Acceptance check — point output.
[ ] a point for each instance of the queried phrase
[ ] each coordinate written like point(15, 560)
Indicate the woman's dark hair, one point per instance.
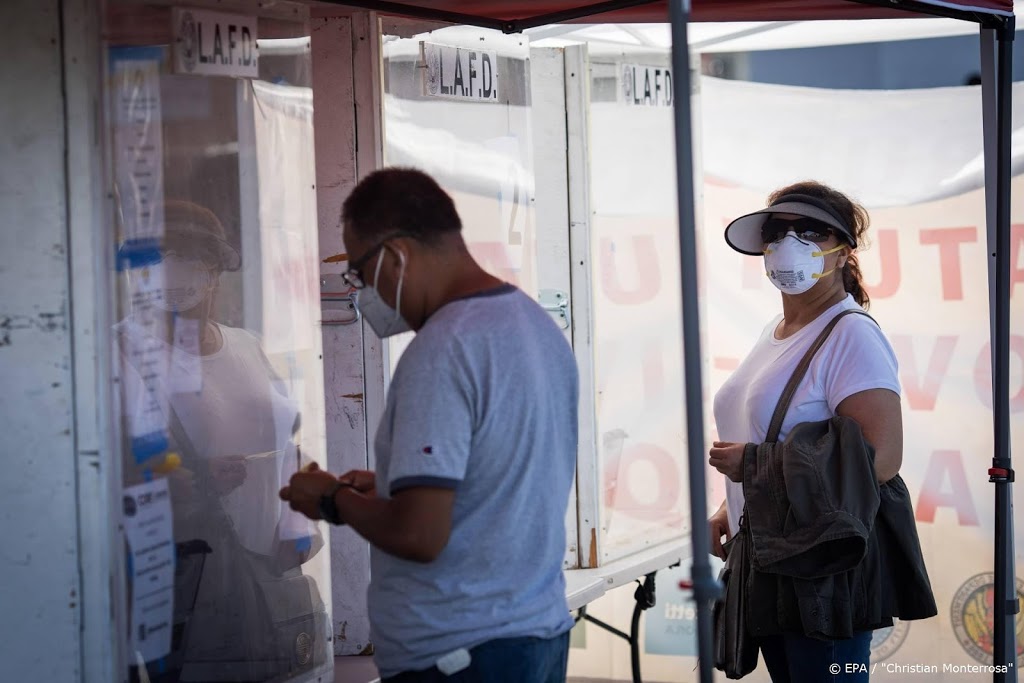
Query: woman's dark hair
point(853, 214)
point(400, 200)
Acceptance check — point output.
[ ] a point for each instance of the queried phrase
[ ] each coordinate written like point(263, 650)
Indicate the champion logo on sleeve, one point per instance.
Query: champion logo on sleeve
point(428, 450)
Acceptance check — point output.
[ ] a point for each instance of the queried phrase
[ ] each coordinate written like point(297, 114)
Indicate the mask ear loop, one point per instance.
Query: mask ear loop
point(398, 293)
point(401, 279)
point(376, 272)
point(823, 254)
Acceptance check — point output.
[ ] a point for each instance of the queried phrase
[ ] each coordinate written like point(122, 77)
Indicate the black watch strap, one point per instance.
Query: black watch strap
point(328, 507)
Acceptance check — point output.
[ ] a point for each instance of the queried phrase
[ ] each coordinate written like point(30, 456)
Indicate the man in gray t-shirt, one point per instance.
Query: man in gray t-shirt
point(476, 452)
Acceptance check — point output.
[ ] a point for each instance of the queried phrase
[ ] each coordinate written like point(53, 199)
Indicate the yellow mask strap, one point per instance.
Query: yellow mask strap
point(830, 251)
point(818, 276)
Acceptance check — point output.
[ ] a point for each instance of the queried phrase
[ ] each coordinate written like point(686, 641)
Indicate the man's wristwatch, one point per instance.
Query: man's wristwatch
point(328, 508)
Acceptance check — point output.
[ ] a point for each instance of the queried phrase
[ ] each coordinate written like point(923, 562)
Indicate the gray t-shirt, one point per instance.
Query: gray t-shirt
point(483, 401)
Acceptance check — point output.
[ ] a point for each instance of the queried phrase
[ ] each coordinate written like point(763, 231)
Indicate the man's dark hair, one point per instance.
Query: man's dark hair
point(400, 200)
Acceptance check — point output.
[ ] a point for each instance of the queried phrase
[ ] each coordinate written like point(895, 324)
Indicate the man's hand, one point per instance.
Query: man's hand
point(727, 458)
point(718, 526)
point(363, 481)
point(305, 489)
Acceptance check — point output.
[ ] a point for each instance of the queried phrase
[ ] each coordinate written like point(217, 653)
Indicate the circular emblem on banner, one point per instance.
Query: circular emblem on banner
point(885, 641)
point(188, 41)
point(972, 615)
point(303, 648)
point(433, 70)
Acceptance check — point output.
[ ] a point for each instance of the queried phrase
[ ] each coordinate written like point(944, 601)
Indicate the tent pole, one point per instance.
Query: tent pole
point(1005, 604)
point(989, 124)
point(705, 588)
point(995, 21)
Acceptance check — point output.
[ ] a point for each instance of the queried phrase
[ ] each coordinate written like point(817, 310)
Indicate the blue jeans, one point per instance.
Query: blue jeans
point(795, 658)
point(505, 660)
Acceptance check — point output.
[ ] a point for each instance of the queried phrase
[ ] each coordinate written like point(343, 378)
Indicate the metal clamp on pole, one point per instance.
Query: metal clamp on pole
point(1001, 475)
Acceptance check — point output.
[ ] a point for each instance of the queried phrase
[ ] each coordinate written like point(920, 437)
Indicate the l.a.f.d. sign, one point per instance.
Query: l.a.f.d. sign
point(460, 73)
point(215, 44)
point(646, 85)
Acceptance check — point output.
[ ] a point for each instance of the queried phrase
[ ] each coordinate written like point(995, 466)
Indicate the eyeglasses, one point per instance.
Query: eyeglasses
point(353, 277)
point(806, 229)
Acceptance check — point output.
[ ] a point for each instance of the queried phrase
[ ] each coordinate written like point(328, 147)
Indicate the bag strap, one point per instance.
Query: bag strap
point(798, 374)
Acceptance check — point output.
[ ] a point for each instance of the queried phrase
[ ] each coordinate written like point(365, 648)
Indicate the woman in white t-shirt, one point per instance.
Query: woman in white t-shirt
point(229, 417)
point(808, 236)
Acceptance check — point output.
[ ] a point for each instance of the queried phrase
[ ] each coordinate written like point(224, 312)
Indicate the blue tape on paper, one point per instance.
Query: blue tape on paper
point(149, 445)
point(303, 544)
point(138, 253)
point(143, 53)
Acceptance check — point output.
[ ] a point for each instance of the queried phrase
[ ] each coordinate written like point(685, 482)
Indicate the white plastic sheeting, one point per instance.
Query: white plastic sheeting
point(889, 148)
point(748, 36)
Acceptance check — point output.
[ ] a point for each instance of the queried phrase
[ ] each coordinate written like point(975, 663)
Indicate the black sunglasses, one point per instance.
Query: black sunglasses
point(353, 276)
point(806, 229)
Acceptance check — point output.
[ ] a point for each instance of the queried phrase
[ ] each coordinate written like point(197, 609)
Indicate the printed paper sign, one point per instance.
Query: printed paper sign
point(148, 528)
point(145, 363)
point(138, 142)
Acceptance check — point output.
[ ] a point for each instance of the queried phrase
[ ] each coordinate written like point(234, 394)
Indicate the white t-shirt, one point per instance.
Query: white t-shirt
point(231, 404)
point(856, 357)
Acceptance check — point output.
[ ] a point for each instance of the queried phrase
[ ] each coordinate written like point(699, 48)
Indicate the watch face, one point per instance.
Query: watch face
point(328, 510)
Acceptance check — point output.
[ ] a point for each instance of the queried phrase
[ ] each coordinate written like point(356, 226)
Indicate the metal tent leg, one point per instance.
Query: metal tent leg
point(645, 599)
point(996, 89)
point(705, 588)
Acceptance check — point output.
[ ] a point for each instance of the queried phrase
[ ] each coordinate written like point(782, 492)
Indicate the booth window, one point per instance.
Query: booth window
point(217, 345)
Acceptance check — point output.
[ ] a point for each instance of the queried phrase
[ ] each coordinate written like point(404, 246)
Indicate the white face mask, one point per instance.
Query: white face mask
point(385, 321)
point(186, 283)
point(794, 266)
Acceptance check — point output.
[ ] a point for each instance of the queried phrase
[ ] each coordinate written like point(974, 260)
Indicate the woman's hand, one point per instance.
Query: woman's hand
point(718, 526)
point(227, 474)
point(182, 483)
point(727, 458)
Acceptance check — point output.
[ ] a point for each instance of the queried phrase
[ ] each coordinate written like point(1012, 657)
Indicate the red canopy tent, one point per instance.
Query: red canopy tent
point(516, 15)
point(996, 21)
